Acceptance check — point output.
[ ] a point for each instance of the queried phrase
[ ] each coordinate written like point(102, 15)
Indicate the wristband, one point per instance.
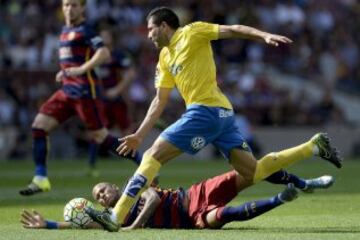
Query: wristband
point(51, 225)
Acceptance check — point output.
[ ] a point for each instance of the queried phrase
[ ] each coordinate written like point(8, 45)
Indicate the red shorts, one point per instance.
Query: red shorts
point(117, 115)
point(61, 107)
point(210, 194)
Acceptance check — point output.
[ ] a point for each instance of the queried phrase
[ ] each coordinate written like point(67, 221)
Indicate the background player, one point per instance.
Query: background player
point(81, 50)
point(116, 76)
point(203, 205)
point(186, 61)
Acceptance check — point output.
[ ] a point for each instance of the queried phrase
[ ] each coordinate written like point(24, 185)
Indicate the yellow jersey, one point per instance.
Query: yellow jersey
point(188, 63)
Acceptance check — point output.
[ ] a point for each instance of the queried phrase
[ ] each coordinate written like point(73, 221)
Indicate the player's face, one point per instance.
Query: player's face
point(73, 10)
point(106, 194)
point(157, 34)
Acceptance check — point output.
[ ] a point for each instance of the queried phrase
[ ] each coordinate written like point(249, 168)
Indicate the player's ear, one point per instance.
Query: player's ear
point(164, 25)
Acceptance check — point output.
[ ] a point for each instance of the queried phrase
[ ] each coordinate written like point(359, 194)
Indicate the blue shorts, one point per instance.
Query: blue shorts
point(201, 125)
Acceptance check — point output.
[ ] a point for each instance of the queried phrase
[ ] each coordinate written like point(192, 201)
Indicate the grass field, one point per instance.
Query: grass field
point(329, 214)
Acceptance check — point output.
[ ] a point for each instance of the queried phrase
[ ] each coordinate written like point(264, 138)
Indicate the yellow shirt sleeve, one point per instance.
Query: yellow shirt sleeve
point(204, 30)
point(163, 78)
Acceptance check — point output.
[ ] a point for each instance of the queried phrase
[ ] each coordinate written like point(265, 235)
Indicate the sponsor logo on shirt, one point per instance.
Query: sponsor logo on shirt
point(225, 113)
point(198, 142)
point(65, 52)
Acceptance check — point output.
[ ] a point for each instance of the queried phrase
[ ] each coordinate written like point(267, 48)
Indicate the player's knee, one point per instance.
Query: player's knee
point(39, 123)
point(98, 135)
point(242, 182)
point(154, 153)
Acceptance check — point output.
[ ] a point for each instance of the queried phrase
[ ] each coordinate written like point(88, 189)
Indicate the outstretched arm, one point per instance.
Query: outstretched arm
point(242, 31)
point(34, 220)
point(131, 142)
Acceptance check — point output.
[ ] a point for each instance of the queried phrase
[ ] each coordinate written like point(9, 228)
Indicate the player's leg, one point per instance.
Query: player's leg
point(306, 185)
point(160, 152)
point(275, 161)
point(223, 215)
point(91, 112)
point(41, 126)
point(51, 114)
point(109, 142)
point(93, 148)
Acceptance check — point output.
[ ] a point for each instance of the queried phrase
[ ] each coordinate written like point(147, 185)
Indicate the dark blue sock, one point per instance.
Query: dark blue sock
point(93, 150)
point(248, 210)
point(40, 151)
point(283, 177)
point(111, 143)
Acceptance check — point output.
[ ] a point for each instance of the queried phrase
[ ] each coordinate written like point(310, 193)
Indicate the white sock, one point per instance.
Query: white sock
point(40, 178)
point(316, 150)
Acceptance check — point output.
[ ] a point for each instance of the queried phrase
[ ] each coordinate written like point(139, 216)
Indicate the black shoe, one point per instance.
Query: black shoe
point(290, 193)
point(103, 218)
point(36, 186)
point(326, 151)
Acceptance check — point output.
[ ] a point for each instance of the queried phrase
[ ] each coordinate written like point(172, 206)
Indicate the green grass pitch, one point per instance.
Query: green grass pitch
point(327, 214)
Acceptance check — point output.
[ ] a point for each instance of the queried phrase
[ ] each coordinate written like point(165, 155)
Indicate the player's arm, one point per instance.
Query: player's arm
point(246, 32)
point(34, 220)
point(131, 142)
point(152, 201)
point(101, 55)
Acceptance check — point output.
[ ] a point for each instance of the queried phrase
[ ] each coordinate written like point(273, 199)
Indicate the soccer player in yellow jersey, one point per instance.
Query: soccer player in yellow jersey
point(186, 62)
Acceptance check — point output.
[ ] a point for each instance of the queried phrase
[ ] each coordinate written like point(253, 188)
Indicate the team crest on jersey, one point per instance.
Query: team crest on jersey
point(71, 36)
point(175, 69)
point(198, 142)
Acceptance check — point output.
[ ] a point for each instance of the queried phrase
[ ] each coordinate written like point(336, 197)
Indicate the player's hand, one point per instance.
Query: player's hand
point(274, 40)
point(59, 76)
point(32, 220)
point(129, 145)
point(74, 71)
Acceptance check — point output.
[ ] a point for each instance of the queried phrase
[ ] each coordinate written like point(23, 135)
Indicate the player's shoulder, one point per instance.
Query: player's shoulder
point(87, 27)
point(194, 26)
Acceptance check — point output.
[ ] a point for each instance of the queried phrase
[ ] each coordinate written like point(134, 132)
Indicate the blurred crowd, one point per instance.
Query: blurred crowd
point(325, 51)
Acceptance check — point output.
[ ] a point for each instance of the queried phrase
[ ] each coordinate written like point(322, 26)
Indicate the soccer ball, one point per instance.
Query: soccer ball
point(74, 212)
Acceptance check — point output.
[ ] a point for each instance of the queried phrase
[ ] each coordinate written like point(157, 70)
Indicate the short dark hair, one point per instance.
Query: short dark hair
point(164, 14)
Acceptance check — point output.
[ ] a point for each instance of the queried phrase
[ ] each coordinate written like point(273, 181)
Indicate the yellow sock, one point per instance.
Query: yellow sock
point(273, 162)
point(148, 169)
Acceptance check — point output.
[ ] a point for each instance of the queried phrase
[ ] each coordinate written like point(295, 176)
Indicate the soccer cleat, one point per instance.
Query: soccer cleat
point(37, 185)
point(322, 182)
point(326, 151)
point(103, 218)
point(290, 193)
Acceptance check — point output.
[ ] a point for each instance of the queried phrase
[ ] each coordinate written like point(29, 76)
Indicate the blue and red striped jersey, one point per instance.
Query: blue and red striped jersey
point(108, 72)
point(169, 213)
point(77, 45)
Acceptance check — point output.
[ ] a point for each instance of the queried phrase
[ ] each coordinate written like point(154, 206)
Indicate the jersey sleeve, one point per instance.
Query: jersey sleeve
point(163, 78)
point(93, 39)
point(204, 30)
